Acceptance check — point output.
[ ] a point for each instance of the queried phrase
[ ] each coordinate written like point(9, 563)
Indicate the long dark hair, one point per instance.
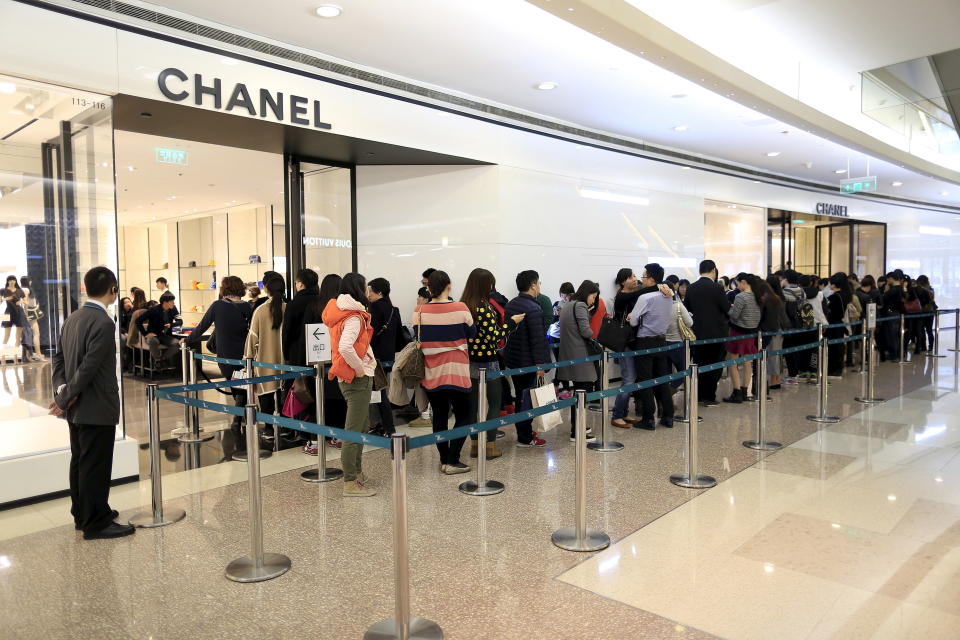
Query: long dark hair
point(842, 283)
point(757, 286)
point(139, 298)
point(276, 287)
point(476, 292)
point(776, 300)
point(355, 286)
point(586, 288)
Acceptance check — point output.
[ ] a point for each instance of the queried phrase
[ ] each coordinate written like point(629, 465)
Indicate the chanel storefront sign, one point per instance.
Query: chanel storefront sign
point(827, 209)
point(176, 85)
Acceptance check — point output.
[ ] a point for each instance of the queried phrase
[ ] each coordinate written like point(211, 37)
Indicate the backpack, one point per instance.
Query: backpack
point(807, 319)
point(792, 309)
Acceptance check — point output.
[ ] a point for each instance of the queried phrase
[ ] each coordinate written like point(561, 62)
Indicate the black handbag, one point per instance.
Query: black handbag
point(594, 348)
point(615, 334)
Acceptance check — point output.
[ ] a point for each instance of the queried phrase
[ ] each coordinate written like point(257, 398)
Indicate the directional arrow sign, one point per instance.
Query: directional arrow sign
point(318, 343)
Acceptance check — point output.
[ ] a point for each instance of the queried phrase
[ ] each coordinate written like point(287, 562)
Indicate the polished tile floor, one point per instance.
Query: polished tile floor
point(851, 531)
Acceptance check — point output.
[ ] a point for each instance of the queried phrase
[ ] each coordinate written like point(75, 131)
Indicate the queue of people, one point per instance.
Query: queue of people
point(21, 318)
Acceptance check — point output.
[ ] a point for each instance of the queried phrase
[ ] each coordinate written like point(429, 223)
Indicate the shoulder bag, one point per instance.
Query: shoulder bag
point(615, 334)
point(410, 360)
point(685, 332)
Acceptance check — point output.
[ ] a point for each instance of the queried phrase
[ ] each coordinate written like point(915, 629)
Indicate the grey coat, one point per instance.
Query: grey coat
point(86, 363)
point(574, 330)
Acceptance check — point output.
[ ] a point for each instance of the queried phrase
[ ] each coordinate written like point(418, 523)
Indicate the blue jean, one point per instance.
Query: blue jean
point(628, 375)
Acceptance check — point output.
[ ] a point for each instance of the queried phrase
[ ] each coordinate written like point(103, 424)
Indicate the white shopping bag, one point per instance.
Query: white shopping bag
point(539, 397)
point(375, 397)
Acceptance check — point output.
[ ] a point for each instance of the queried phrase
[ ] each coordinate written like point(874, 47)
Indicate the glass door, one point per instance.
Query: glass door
point(851, 247)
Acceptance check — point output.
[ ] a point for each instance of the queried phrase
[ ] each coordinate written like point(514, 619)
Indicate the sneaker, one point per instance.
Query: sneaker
point(310, 448)
point(354, 489)
point(536, 442)
point(421, 422)
point(791, 380)
point(455, 468)
point(336, 444)
point(507, 410)
point(499, 434)
point(563, 395)
point(710, 403)
point(590, 437)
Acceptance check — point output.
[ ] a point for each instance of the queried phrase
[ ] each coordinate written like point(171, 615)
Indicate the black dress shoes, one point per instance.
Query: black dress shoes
point(112, 530)
point(666, 422)
point(647, 425)
point(113, 516)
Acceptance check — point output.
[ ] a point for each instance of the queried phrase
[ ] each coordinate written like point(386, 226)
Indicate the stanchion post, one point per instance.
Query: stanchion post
point(184, 378)
point(692, 479)
point(579, 537)
point(402, 626)
point(869, 397)
point(903, 341)
point(687, 360)
point(761, 444)
point(822, 383)
point(321, 473)
point(157, 516)
point(482, 486)
point(604, 444)
point(195, 433)
point(251, 399)
point(864, 341)
point(934, 351)
point(956, 330)
point(257, 566)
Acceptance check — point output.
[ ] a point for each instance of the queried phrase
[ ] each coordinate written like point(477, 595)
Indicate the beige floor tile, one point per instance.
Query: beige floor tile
point(22, 521)
point(859, 508)
point(861, 615)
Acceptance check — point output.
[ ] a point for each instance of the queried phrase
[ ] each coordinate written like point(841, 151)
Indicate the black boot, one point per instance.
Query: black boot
point(736, 397)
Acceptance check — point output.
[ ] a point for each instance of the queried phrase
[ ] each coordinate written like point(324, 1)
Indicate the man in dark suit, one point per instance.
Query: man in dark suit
point(709, 306)
point(88, 395)
point(526, 346)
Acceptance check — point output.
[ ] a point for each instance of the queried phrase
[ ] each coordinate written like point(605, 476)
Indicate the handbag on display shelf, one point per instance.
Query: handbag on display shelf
point(615, 334)
point(685, 332)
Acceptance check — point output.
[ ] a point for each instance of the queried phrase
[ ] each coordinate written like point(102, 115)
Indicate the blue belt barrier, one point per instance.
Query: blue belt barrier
point(859, 336)
point(646, 352)
point(887, 319)
point(203, 386)
point(200, 404)
point(324, 431)
point(470, 429)
point(492, 375)
point(842, 324)
point(636, 386)
point(787, 332)
point(283, 367)
point(725, 339)
point(729, 363)
point(219, 360)
point(798, 348)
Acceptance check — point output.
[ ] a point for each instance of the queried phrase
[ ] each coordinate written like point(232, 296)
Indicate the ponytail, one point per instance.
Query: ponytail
point(276, 287)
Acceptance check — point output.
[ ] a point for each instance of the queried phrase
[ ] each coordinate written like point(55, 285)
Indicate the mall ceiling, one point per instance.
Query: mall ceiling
point(510, 46)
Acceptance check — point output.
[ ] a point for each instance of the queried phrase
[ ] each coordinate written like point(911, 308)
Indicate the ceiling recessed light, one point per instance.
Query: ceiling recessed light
point(546, 86)
point(131, 168)
point(838, 171)
point(896, 183)
point(29, 107)
point(329, 11)
point(684, 168)
point(772, 154)
point(680, 127)
point(8, 87)
point(679, 96)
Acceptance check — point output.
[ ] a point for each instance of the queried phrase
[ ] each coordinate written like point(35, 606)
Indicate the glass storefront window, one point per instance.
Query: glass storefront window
point(327, 225)
point(733, 237)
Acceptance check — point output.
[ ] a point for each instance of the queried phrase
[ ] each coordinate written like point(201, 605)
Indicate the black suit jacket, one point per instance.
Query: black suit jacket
point(86, 363)
point(708, 305)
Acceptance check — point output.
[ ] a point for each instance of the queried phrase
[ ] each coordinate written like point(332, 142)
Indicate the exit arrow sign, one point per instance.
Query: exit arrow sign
point(858, 185)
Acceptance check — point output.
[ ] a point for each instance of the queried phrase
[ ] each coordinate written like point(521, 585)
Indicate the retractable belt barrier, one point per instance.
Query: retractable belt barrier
point(746, 336)
point(796, 349)
point(218, 359)
point(730, 363)
point(493, 375)
point(636, 386)
point(858, 336)
point(239, 382)
point(646, 352)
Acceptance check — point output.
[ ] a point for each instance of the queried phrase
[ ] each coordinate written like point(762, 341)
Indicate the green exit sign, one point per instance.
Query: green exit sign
point(857, 185)
point(171, 156)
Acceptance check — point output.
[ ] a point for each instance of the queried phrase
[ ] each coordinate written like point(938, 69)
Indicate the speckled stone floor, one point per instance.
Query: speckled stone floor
point(480, 567)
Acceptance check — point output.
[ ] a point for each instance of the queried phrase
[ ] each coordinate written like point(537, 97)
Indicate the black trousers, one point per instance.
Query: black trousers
point(704, 354)
point(800, 361)
point(91, 460)
point(654, 366)
point(521, 383)
point(586, 386)
point(441, 402)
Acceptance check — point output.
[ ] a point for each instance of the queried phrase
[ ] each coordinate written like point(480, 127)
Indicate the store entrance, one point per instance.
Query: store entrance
point(823, 245)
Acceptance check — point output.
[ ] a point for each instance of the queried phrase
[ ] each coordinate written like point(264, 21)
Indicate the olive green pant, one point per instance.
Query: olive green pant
point(493, 404)
point(357, 394)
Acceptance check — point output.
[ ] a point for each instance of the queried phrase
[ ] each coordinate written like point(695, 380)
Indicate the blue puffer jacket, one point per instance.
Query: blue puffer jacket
point(527, 345)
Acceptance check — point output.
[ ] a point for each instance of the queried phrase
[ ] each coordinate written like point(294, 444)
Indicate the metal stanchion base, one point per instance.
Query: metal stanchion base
point(471, 488)
point(684, 420)
point(934, 355)
point(245, 569)
point(605, 447)
point(145, 520)
point(241, 456)
point(699, 482)
point(420, 629)
point(191, 438)
point(869, 400)
point(566, 538)
point(313, 475)
point(179, 431)
point(824, 419)
point(765, 445)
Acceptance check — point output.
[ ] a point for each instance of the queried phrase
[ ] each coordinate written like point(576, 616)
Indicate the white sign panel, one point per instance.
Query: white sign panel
point(871, 317)
point(318, 343)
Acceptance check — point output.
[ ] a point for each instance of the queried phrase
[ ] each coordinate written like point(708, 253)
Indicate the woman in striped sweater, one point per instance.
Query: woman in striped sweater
point(445, 327)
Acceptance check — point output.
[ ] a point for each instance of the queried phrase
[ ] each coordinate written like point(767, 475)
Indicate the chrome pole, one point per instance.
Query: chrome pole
point(184, 379)
point(863, 350)
point(903, 340)
point(870, 398)
point(761, 444)
point(482, 486)
point(579, 537)
point(321, 473)
point(251, 399)
point(402, 626)
point(257, 566)
point(156, 517)
point(196, 433)
point(604, 444)
point(692, 479)
point(934, 352)
point(822, 368)
point(956, 330)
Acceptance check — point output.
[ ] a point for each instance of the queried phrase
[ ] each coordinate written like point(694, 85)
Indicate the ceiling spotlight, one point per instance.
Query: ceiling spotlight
point(680, 127)
point(329, 11)
point(772, 154)
point(546, 86)
point(896, 183)
point(839, 171)
point(8, 87)
point(131, 168)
